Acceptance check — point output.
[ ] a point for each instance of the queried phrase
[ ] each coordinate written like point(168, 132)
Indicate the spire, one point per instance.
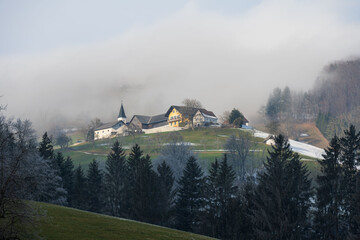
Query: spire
point(122, 115)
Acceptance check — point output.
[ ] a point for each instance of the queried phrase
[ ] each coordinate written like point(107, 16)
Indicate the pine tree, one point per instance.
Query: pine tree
point(143, 186)
point(328, 223)
point(354, 233)
point(281, 197)
point(166, 194)
point(46, 149)
point(212, 201)
point(115, 180)
point(79, 199)
point(94, 188)
point(221, 192)
point(189, 205)
point(350, 159)
point(67, 175)
point(227, 192)
point(130, 188)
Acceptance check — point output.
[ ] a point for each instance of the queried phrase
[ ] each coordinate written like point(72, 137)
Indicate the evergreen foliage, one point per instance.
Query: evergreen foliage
point(282, 196)
point(236, 118)
point(115, 180)
point(220, 193)
point(190, 204)
point(328, 223)
point(46, 149)
point(79, 198)
point(94, 188)
point(166, 193)
point(350, 157)
point(143, 185)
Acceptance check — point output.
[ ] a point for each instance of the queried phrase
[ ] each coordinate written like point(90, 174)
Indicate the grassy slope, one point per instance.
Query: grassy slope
point(68, 223)
point(209, 143)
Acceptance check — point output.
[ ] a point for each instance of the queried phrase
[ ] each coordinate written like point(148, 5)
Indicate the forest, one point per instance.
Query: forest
point(333, 103)
point(278, 201)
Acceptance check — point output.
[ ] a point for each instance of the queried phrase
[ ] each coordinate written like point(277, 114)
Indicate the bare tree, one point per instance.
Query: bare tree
point(192, 103)
point(189, 110)
point(175, 153)
point(239, 147)
point(18, 156)
point(95, 123)
point(224, 118)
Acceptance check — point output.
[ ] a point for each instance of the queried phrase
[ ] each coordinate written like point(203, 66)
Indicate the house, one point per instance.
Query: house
point(148, 122)
point(204, 118)
point(119, 127)
point(270, 140)
point(180, 115)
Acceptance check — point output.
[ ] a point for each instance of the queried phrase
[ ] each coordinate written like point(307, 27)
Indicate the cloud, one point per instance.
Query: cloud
point(224, 61)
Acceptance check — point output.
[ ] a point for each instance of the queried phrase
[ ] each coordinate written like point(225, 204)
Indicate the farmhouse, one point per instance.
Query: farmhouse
point(270, 140)
point(148, 122)
point(180, 115)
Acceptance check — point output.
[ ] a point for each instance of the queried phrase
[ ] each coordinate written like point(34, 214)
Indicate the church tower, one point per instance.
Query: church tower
point(122, 116)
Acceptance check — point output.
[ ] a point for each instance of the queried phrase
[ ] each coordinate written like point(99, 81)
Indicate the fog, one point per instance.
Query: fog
point(225, 61)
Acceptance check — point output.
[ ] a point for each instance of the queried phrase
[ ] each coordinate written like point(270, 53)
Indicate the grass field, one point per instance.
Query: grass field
point(64, 223)
point(207, 144)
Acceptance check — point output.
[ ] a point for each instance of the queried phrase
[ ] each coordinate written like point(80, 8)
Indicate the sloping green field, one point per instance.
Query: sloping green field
point(64, 223)
point(207, 144)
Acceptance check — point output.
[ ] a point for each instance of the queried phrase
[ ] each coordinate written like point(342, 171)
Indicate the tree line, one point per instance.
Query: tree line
point(333, 103)
point(277, 202)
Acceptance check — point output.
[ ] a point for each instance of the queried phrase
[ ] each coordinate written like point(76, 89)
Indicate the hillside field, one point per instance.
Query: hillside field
point(207, 144)
point(68, 223)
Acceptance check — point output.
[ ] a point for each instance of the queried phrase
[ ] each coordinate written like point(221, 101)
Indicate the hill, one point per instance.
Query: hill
point(68, 223)
point(206, 143)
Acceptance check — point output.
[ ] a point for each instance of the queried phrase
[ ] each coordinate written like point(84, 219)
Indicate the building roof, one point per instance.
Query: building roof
point(108, 125)
point(122, 112)
point(206, 112)
point(189, 111)
point(150, 119)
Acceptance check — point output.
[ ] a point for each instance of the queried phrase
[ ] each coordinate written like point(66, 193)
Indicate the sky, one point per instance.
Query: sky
point(67, 62)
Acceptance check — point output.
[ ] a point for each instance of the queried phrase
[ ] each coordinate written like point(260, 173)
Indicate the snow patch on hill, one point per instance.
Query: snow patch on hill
point(299, 147)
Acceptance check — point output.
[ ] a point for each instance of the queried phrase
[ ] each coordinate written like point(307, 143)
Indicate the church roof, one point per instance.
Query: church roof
point(109, 125)
point(122, 112)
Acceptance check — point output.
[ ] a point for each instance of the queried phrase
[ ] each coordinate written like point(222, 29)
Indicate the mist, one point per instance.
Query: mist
point(224, 61)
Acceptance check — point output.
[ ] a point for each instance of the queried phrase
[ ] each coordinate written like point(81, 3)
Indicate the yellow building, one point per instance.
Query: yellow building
point(179, 116)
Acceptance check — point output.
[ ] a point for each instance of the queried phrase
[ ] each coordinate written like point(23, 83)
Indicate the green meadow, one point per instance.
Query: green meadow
point(63, 223)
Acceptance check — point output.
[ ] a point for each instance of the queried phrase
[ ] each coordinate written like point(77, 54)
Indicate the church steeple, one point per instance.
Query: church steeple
point(122, 116)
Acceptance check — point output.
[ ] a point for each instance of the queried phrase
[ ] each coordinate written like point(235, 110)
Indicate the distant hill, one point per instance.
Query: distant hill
point(64, 223)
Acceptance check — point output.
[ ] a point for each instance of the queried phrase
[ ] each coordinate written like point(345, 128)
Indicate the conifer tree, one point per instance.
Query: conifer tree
point(94, 187)
point(355, 204)
point(166, 194)
point(221, 191)
point(281, 196)
point(46, 149)
point(227, 192)
point(212, 201)
point(143, 186)
point(79, 199)
point(67, 175)
point(350, 159)
point(189, 204)
point(115, 180)
point(328, 223)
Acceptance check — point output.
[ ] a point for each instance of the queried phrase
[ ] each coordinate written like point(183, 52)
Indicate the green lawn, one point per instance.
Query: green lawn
point(64, 223)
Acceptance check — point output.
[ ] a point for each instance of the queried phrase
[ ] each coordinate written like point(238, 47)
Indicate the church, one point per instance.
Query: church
point(120, 127)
